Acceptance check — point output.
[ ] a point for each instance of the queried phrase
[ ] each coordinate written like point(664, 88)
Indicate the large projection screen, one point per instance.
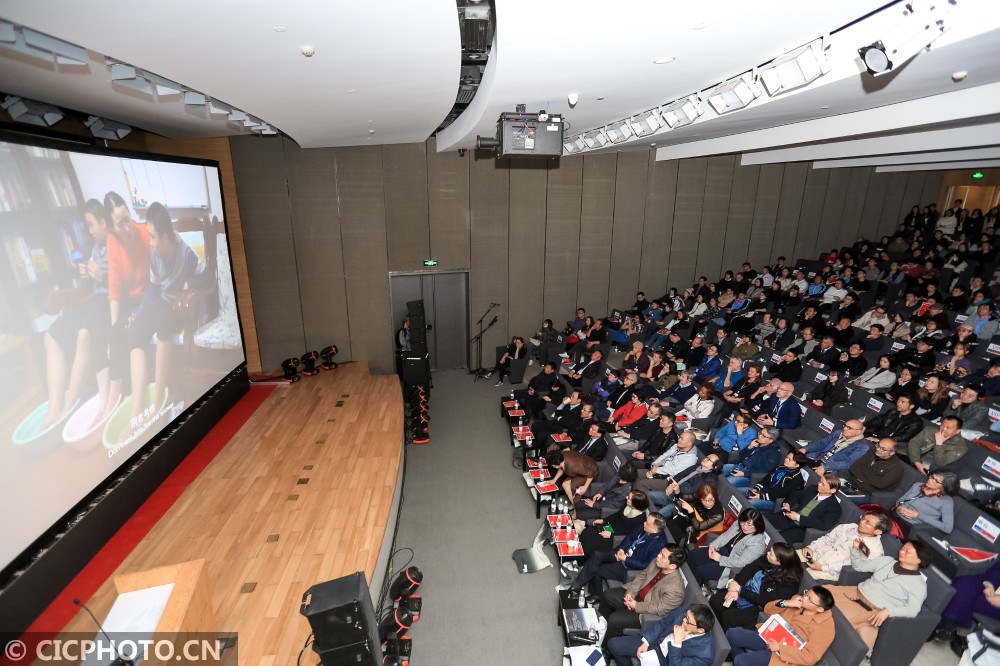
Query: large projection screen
point(117, 312)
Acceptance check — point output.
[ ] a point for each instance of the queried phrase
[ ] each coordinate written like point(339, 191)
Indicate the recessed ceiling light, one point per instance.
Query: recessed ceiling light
point(280, 28)
point(352, 91)
point(824, 107)
point(959, 75)
point(698, 26)
point(664, 60)
point(600, 99)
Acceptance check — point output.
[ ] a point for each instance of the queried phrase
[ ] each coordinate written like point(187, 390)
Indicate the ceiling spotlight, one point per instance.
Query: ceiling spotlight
point(216, 107)
point(921, 25)
point(664, 60)
point(570, 146)
point(31, 112)
point(103, 128)
point(646, 122)
point(596, 138)
point(39, 45)
point(795, 69)
point(580, 143)
point(193, 98)
point(620, 131)
point(734, 94)
point(682, 112)
point(237, 116)
point(572, 99)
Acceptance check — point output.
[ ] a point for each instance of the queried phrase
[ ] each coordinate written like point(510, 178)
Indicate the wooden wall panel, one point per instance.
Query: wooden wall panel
point(526, 253)
point(688, 204)
point(854, 204)
point(714, 213)
point(657, 231)
point(739, 222)
point(932, 189)
point(892, 204)
point(218, 149)
point(596, 219)
point(319, 257)
point(871, 215)
point(626, 242)
point(448, 206)
point(362, 210)
point(562, 238)
point(407, 220)
point(765, 214)
point(830, 231)
point(489, 193)
point(261, 179)
point(786, 226)
point(912, 192)
point(812, 211)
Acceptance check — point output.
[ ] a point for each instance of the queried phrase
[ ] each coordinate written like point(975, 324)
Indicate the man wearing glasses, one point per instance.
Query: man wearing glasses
point(809, 616)
point(878, 470)
point(842, 447)
point(827, 555)
point(681, 637)
point(782, 410)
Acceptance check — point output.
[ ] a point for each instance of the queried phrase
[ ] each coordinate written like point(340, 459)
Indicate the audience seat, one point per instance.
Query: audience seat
point(950, 563)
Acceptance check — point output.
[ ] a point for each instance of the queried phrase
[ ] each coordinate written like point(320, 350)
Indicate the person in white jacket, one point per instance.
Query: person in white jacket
point(878, 377)
point(827, 555)
point(700, 405)
point(877, 315)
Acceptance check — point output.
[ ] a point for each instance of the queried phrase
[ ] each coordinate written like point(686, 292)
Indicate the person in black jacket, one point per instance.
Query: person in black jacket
point(901, 424)
point(599, 533)
point(830, 393)
point(657, 444)
point(773, 576)
point(813, 507)
point(538, 386)
point(613, 497)
point(788, 368)
point(824, 354)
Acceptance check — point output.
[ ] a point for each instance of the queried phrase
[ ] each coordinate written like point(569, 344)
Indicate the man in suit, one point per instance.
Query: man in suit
point(823, 355)
point(682, 637)
point(538, 386)
point(782, 409)
point(840, 448)
point(657, 590)
point(595, 446)
point(812, 507)
point(567, 416)
point(585, 369)
point(640, 431)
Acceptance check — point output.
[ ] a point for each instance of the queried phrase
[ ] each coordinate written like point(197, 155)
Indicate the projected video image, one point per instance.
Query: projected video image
point(117, 311)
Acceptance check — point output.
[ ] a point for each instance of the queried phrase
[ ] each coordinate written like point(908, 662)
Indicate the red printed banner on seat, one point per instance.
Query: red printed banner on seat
point(539, 474)
point(559, 520)
point(566, 534)
point(775, 628)
point(566, 551)
point(974, 554)
point(561, 437)
point(536, 464)
point(510, 403)
point(546, 487)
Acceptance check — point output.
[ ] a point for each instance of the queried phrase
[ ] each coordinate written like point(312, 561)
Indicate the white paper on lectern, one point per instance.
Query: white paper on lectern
point(138, 611)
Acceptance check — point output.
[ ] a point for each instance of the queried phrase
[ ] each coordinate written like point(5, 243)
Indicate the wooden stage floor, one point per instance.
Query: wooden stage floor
point(350, 454)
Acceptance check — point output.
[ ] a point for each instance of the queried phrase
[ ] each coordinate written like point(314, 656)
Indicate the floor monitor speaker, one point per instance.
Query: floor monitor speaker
point(343, 621)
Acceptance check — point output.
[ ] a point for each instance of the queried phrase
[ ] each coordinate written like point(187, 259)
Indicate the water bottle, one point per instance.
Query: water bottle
point(582, 601)
point(552, 505)
point(512, 397)
point(520, 420)
point(592, 634)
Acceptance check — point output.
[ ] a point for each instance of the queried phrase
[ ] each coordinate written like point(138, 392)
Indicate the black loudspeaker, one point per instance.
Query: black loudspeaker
point(418, 330)
point(415, 308)
point(343, 622)
point(416, 370)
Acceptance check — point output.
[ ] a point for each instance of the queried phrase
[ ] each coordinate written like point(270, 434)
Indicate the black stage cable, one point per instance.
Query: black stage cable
point(305, 645)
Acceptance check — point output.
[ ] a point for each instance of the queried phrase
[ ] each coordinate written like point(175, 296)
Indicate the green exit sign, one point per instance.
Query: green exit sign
point(430, 262)
point(978, 174)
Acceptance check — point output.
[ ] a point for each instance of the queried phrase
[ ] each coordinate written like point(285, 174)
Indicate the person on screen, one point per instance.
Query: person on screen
point(172, 263)
point(78, 339)
point(128, 278)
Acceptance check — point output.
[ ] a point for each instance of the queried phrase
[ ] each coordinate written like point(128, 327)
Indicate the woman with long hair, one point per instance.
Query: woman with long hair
point(830, 393)
point(698, 514)
point(879, 377)
point(599, 533)
point(735, 548)
point(515, 350)
point(932, 397)
point(774, 575)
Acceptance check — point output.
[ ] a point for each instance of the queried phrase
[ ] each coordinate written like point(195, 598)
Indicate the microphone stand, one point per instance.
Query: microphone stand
point(478, 341)
point(119, 659)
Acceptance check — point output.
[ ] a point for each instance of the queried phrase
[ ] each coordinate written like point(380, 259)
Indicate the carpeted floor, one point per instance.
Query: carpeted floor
point(466, 509)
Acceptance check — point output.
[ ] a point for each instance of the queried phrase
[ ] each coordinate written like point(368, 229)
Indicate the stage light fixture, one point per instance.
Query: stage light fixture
point(31, 112)
point(103, 128)
point(309, 363)
point(647, 122)
point(39, 45)
point(795, 69)
point(396, 623)
point(291, 368)
point(406, 583)
point(734, 94)
point(620, 131)
point(327, 354)
point(570, 146)
point(595, 138)
point(580, 143)
point(192, 98)
point(682, 112)
point(921, 24)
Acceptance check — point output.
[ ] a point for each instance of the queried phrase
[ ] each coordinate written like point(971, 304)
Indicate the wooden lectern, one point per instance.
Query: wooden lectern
point(187, 614)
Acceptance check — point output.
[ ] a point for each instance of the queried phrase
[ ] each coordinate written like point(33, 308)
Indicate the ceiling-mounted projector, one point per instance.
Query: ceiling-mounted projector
point(526, 135)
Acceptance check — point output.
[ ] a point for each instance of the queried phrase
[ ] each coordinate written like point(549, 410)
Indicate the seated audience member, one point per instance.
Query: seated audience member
point(657, 590)
point(958, 365)
point(932, 397)
point(919, 358)
point(755, 403)
point(677, 459)
point(593, 445)
point(788, 368)
point(574, 472)
point(930, 502)
point(681, 391)
point(974, 594)
point(988, 378)
point(812, 507)
point(636, 360)
point(730, 376)
point(762, 455)
point(896, 588)
point(694, 515)
point(612, 498)
point(900, 423)
point(773, 576)
point(983, 324)
point(823, 355)
point(878, 470)
point(969, 407)
point(745, 349)
point(804, 345)
point(837, 451)
point(538, 386)
point(830, 393)
point(638, 432)
point(598, 533)
point(566, 416)
point(684, 637)
point(723, 344)
point(517, 349)
point(658, 443)
point(738, 396)
point(851, 363)
point(620, 396)
point(698, 406)
point(634, 554)
point(788, 478)
point(588, 368)
point(877, 315)
point(734, 436)
point(906, 384)
point(809, 615)
point(710, 367)
point(782, 338)
point(595, 335)
point(765, 328)
point(705, 473)
point(937, 446)
point(962, 334)
point(628, 414)
point(828, 554)
point(543, 340)
point(605, 386)
point(879, 377)
point(735, 548)
point(782, 409)
point(876, 340)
